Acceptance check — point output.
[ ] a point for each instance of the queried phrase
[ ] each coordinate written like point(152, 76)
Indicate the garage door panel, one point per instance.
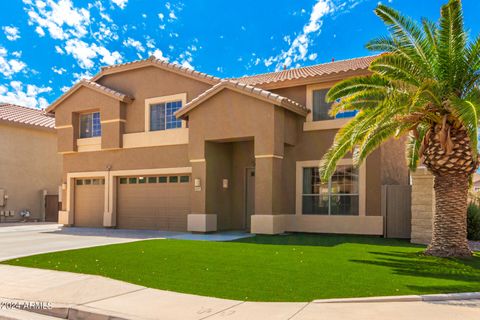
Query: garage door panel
point(89, 203)
point(160, 206)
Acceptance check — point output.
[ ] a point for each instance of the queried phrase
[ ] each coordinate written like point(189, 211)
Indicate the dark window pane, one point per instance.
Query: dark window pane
point(162, 179)
point(86, 125)
point(184, 179)
point(142, 180)
point(123, 181)
point(343, 205)
point(96, 181)
point(87, 181)
point(315, 205)
point(157, 117)
point(132, 180)
point(320, 106)
point(173, 179)
point(152, 179)
point(79, 182)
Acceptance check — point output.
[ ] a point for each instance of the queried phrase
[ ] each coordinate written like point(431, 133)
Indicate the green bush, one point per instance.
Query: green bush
point(473, 222)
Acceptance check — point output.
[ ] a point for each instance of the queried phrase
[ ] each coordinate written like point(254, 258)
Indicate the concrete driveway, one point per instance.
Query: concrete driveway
point(25, 239)
point(21, 239)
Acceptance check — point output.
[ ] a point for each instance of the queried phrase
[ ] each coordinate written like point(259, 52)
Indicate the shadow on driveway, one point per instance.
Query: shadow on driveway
point(151, 234)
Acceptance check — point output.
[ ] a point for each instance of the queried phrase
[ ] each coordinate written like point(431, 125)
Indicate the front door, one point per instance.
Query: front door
point(250, 196)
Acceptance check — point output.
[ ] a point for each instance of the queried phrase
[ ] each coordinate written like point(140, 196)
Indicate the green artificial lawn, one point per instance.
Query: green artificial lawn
point(297, 267)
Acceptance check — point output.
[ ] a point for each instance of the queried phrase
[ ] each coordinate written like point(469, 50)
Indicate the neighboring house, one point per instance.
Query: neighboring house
point(152, 145)
point(30, 167)
point(476, 182)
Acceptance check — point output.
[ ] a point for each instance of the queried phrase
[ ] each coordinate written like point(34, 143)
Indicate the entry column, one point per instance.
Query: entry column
point(198, 219)
point(268, 194)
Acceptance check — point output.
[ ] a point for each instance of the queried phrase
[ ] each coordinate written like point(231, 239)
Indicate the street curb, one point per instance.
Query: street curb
point(409, 298)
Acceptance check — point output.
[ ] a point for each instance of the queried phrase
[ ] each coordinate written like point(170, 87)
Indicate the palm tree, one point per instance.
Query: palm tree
point(424, 85)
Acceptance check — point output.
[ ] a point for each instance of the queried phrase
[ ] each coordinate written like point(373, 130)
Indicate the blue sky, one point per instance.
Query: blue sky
point(48, 45)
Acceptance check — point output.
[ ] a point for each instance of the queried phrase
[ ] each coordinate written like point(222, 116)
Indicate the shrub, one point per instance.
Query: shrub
point(473, 222)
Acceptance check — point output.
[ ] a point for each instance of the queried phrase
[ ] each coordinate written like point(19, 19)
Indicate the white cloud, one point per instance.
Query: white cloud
point(9, 66)
point(161, 16)
point(15, 93)
point(158, 54)
point(40, 31)
point(120, 3)
point(134, 44)
point(12, 33)
point(58, 70)
point(312, 56)
point(84, 53)
point(82, 75)
point(150, 42)
point(64, 89)
point(172, 15)
point(298, 47)
point(59, 50)
point(60, 18)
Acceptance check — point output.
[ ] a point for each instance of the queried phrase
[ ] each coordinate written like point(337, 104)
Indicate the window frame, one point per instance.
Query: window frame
point(331, 194)
point(92, 113)
point(300, 165)
point(159, 100)
point(309, 124)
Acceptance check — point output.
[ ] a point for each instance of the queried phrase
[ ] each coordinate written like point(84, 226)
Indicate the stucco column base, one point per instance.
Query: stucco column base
point(65, 218)
point(109, 220)
point(267, 224)
point(200, 222)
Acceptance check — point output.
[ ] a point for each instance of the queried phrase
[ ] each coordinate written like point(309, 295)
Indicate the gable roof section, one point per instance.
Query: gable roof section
point(92, 85)
point(245, 89)
point(26, 116)
point(305, 73)
point(162, 64)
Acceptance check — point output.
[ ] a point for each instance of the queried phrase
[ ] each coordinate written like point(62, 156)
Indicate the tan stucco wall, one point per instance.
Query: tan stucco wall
point(29, 164)
point(149, 82)
point(298, 93)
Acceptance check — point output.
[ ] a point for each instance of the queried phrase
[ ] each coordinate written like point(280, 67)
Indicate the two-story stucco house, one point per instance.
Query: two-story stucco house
point(152, 145)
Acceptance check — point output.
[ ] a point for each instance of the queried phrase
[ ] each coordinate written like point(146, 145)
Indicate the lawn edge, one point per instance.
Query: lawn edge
point(406, 298)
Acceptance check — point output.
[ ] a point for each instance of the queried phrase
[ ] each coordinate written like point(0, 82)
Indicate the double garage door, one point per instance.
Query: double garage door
point(143, 202)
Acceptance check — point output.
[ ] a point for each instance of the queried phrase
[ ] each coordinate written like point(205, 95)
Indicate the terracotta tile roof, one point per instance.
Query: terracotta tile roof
point(95, 86)
point(160, 63)
point(121, 96)
point(26, 116)
point(308, 72)
point(246, 89)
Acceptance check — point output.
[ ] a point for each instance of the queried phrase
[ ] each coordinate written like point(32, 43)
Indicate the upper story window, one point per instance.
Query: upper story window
point(338, 196)
point(320, 107)
point(162, 115)
point(90, 125)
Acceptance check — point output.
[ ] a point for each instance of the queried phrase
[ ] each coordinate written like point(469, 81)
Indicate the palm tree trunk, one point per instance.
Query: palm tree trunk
point(450, 219)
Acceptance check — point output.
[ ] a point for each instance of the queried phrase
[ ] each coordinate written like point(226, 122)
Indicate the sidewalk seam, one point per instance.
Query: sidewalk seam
point(114, 296)
point(213, 314)
point(299, 310)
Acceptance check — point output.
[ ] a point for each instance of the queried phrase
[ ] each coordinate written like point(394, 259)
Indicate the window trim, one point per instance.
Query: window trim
point(314, 163)
point(309, 124)
point(163, 99)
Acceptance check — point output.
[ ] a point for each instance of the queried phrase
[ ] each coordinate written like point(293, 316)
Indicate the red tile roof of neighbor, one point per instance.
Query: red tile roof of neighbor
point(323, 69)
point(26, 116)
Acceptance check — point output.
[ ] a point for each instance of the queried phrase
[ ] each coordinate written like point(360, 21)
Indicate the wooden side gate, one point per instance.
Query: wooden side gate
point(396, 211)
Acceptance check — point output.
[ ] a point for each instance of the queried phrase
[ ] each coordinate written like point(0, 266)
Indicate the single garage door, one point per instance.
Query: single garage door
point(155, 202)
point(89, 202)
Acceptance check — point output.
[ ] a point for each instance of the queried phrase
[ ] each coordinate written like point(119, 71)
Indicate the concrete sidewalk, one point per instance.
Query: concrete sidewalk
point(80, 296)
